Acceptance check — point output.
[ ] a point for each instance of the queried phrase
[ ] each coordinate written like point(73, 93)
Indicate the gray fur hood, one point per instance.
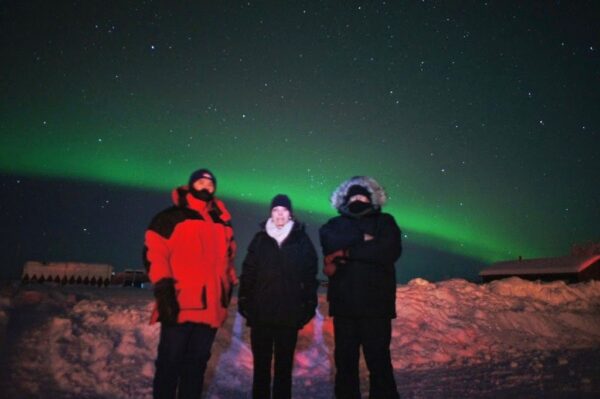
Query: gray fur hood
point(378, 195)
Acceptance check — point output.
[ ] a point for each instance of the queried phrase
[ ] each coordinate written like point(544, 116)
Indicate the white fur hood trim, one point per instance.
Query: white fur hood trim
point(378, 195)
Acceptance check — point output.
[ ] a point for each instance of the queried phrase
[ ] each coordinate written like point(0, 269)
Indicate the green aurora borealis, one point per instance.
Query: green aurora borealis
point(249, 173)
point(485, 148)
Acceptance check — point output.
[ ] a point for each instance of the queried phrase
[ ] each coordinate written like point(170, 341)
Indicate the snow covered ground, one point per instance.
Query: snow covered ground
point(452, 339)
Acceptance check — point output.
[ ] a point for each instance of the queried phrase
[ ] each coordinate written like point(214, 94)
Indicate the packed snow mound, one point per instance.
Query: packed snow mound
point(459, 322)
point(97, 343)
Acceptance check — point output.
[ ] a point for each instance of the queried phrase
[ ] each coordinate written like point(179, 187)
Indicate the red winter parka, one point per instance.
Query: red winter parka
point(192, 243)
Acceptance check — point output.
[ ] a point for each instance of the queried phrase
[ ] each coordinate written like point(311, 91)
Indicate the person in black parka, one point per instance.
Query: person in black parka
point(277, 296)
point(360, 247)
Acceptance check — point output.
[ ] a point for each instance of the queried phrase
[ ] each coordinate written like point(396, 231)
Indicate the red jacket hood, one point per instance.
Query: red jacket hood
point(181, 197)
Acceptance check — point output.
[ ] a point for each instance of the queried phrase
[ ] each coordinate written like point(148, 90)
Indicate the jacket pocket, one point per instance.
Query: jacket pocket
point(192, 298)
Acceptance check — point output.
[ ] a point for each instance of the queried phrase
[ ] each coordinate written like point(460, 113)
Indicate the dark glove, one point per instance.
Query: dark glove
point(329, 268)
point(331, 261)
point(339, 256)
point(166, 301)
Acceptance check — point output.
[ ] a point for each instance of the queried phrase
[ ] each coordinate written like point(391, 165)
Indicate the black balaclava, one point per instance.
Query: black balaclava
point(357, 189)
point(358, 207)
point(203, 194)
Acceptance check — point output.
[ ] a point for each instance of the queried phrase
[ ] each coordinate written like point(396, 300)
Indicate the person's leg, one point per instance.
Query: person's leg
point(171, 349)
point(194, 362)
point(346, 353)
point(376, 335)
point(285, 345)
point(261, 342)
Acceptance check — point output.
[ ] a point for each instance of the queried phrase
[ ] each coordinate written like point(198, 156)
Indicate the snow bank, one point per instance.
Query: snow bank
point(464, 323)
point(100, 348)
point(98, 343)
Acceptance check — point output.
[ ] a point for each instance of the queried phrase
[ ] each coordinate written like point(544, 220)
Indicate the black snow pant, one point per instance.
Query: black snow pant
point(183, 352)
point(266, 340)
point(374, 335)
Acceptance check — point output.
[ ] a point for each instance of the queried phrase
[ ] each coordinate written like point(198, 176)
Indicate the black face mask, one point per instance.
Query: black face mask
point(202, 195)
point(358, 207)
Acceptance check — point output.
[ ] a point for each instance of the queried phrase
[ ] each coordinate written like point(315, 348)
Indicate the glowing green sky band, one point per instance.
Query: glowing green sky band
point(77, 162)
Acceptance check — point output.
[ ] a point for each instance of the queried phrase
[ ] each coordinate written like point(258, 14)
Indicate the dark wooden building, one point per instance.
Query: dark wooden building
point(572, 269)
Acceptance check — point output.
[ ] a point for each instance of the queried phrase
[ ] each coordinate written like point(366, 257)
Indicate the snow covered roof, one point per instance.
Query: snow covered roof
point(560, 265)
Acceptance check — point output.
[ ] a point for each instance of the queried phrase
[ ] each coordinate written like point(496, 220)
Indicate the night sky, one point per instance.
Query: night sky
point(481, 120)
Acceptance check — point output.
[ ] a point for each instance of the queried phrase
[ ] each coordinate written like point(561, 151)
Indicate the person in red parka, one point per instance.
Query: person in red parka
point(189, 252)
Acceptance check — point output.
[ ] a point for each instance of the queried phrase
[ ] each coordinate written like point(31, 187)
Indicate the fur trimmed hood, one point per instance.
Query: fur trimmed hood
point(378, 195)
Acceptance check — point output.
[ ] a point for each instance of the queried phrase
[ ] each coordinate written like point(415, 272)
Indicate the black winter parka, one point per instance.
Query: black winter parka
point(365, 285)
point(278, 285)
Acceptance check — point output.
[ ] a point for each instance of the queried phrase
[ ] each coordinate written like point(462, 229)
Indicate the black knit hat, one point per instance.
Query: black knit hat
point(357, 189)
point(202, 173)
point(282, 200)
